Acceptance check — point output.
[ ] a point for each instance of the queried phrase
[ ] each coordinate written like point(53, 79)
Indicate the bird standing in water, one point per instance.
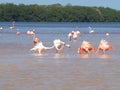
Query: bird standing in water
point(104, 46)
point(86, 47)
point(59, 45)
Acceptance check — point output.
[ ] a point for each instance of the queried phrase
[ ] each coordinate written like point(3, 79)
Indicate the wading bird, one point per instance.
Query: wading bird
point(70, 36)
point(107, 34)
point(1, 28)
point(85, 47)
point(39, 48)
point(59, 45)
point(12, 26)
point(104, 46)
point(91, 30)
point(35, 39)
point(18, 33)
point(74, 35)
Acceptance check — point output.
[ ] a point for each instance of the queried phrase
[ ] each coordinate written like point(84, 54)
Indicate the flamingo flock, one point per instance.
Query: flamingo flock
point(85, 48)
point(58, 45)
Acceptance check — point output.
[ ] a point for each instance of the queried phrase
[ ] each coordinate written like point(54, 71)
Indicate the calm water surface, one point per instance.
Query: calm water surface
point(21, 69)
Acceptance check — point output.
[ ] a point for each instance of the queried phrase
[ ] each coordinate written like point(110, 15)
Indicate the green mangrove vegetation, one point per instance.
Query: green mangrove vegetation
point(57, 13)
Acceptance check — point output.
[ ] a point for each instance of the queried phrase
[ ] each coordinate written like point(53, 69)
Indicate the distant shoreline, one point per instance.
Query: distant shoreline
point(57, 13)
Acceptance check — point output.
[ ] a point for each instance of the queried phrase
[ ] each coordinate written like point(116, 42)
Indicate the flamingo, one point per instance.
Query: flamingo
point(73, 34)
point(104, 46)
point(35, 39)
point(107, 34)
point(70, 36)
point(28, 33)
point(1, 28)
point(76, 34)
point(39, 47)
point(18, 33)
point(32, 32)
point(91, 30)
point(59, 45)
point(85, 47)
point(12, 26)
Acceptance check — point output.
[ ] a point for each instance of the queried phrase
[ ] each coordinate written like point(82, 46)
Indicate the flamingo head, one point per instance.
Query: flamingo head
point(35, 40)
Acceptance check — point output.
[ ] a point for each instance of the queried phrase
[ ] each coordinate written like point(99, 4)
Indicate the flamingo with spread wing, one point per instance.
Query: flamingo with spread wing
point(59, 45)
point(39, 48)
point(74, 35)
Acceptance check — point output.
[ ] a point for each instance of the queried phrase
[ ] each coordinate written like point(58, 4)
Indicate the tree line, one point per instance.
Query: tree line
point(57, 13)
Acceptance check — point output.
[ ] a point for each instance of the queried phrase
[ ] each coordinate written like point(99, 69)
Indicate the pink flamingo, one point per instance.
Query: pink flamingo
point(86, 47)
point(104, 46)
point(70, 36)
point(39, 48)
point(73, 34)
point(59, 45)
point(12, 26)
point(76, 34)
point(35, 39)
point(30, 33)
point(107, 34)
point(18, 32)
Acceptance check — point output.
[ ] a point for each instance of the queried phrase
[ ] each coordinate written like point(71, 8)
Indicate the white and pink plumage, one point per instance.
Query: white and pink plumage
point(12, 26)
point(39, 48)
point(59, 45)
point(85, 47)
point(104, 46)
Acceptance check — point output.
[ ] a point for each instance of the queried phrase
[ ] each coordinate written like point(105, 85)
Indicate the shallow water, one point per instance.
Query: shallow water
point(21, 69)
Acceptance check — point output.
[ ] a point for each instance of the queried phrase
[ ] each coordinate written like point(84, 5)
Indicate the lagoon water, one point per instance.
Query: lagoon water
point(21, 69)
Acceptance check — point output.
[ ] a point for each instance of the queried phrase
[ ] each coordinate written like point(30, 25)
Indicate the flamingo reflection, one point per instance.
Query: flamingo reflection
point(104, 56)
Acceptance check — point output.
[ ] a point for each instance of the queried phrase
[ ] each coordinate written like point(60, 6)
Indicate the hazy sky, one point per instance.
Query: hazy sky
point(115, 4)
